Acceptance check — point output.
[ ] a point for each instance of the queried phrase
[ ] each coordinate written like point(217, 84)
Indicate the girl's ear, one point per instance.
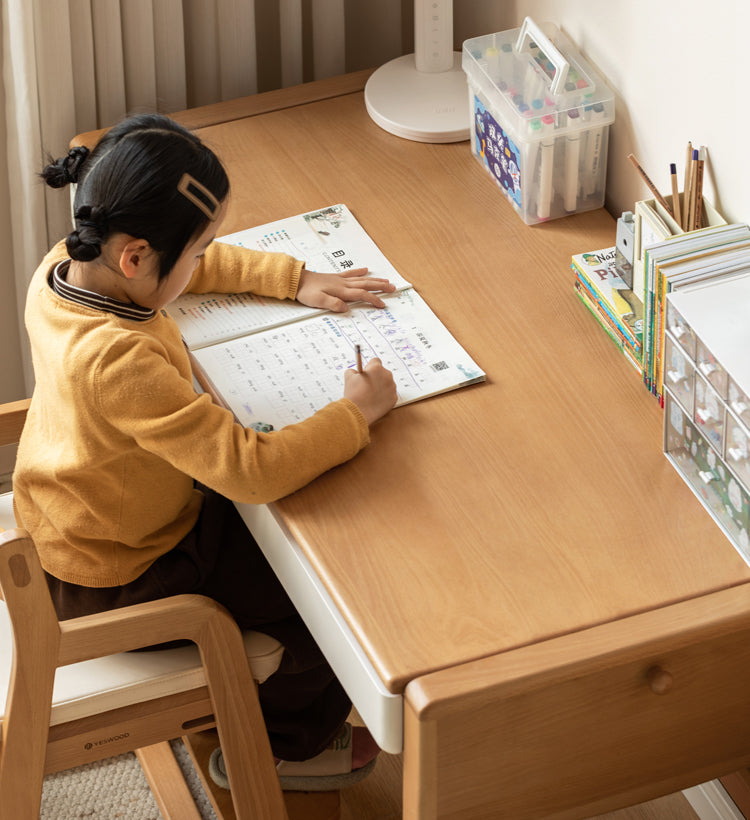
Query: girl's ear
point(136, 258)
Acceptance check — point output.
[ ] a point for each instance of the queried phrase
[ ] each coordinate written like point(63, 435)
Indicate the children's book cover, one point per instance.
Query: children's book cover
point(597, 269)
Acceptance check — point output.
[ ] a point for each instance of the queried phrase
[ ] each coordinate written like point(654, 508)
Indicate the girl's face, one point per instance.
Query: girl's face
point(174, 284)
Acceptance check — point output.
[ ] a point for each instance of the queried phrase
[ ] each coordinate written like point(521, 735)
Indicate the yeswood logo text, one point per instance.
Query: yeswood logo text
point(107, 740)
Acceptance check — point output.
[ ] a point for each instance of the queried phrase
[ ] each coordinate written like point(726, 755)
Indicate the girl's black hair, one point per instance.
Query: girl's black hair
point(147, 177)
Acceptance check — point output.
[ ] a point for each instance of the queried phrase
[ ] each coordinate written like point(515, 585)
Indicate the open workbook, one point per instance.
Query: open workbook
point(275, 362)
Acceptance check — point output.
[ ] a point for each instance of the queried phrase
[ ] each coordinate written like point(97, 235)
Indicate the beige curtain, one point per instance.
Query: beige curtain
point(71, 66)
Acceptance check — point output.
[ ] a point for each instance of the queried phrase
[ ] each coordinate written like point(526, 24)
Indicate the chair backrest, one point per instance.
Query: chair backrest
point(42, 644)
point(33, 672)
point(224, 693)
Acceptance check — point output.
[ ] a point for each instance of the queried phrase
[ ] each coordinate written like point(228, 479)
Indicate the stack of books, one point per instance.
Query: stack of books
point(617, 309)
point(685, 261)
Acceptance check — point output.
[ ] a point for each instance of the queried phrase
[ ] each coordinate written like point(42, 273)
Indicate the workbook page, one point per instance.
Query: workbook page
point(329, 241)
point(281, 376)
point(206, 318)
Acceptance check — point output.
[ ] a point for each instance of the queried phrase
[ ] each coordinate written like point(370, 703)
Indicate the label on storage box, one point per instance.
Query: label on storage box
point(499, 153)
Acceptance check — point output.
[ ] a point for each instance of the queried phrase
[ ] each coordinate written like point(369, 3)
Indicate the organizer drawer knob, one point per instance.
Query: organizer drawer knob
point(659, 680)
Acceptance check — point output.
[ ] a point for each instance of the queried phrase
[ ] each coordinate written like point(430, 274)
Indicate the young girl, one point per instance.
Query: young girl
point(125, 475)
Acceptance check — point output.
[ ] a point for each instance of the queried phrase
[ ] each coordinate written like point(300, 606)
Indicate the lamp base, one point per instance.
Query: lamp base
point(419, 105)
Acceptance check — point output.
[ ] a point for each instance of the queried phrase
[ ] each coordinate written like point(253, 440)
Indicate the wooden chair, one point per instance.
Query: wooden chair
point(76, 694)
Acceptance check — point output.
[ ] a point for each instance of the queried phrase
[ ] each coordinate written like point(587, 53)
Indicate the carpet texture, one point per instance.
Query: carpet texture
point(111, 789)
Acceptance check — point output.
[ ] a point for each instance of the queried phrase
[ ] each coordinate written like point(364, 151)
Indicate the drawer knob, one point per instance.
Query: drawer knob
point(659, 680)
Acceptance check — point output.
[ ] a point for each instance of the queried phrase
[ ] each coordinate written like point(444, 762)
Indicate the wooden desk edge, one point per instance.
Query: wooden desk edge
point(566, 699)
point(12, 418)
point(255, 104)
point(647, 634)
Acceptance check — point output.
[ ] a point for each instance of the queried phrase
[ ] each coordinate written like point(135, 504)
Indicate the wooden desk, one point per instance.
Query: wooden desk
point(517, 559)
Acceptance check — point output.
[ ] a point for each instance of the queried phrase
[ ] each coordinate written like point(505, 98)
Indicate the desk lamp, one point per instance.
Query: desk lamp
point(423, 96)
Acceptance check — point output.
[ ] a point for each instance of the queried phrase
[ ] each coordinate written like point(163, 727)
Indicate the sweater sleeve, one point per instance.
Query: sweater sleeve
point(146, 398)
point(234, 269)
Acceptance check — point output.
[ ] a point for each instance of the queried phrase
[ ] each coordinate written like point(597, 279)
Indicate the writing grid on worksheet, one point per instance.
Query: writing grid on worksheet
point(283, 375)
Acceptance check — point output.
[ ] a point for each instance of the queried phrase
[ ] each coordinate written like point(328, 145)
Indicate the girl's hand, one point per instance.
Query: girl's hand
point(373, 391)
point(333, 291)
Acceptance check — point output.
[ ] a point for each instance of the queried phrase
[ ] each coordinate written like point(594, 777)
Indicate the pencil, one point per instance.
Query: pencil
point(675, 194)
point(686, 187)
point(358, 351)
point(654, 190)
point(693, 190)
point(699, 193)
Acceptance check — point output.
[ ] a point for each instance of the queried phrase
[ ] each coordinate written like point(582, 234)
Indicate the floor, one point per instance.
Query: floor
point(379, 798)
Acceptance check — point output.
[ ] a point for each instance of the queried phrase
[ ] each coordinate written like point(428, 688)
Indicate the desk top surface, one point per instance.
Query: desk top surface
point(536, 504)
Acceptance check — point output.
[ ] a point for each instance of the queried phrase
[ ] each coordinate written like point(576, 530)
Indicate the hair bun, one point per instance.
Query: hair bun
point(66, 169)
point(85, 243)
point(81, 248)
point(94, 218)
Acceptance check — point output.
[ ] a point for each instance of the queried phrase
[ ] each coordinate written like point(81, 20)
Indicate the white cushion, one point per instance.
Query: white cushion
point(102, 684)
point(7, 521)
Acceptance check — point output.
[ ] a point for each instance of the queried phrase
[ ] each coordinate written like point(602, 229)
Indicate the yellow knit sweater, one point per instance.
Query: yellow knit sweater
point(116, 433)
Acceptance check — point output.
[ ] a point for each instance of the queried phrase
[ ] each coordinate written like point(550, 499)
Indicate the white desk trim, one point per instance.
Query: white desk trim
point(381, 710)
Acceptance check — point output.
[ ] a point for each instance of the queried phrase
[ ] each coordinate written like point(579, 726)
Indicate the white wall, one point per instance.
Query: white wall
point(676, 68)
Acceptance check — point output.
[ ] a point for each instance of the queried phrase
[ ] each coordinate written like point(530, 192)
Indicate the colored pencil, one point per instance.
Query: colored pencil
point(654, 190)
point(686, 186)
point(675, 194)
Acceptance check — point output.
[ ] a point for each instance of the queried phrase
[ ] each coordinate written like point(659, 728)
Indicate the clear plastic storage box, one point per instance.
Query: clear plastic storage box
point(540, 120)
point(707, 399)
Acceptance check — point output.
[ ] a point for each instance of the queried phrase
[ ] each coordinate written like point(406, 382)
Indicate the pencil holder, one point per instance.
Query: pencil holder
point(653, 224)
point(540, 120)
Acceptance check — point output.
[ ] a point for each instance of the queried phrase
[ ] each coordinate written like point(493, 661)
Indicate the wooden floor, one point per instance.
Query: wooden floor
point(379, 798)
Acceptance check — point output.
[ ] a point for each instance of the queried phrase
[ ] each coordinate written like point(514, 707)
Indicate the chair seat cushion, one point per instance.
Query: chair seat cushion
point(96, 686)
point(7, 521)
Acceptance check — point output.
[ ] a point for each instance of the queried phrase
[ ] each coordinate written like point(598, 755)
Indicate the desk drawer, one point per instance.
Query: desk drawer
point(588, 722)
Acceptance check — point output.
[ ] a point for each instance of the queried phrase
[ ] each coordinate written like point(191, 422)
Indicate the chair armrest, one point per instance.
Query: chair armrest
point(141, 625)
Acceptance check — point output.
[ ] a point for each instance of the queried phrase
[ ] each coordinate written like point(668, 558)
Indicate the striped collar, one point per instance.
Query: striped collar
point(125, 310)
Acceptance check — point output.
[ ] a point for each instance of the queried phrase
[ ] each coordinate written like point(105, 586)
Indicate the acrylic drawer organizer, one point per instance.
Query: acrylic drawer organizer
point(707, 399)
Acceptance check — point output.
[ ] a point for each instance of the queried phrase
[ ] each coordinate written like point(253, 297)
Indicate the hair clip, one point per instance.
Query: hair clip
point(199, 195)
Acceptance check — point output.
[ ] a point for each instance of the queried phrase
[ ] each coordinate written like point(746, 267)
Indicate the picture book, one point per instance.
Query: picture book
point(615, 305)
point(276, 362)
point(606, 322)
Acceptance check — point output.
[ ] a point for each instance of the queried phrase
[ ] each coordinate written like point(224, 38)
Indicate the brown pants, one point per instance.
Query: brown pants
point(303, 703)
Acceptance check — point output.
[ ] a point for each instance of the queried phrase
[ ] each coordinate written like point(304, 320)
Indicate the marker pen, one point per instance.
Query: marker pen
point(572, 159)
point(506, 60)
point(492, 56)
point(593, 156)
point(529, 173)
point(546, 160)
point(533, 85)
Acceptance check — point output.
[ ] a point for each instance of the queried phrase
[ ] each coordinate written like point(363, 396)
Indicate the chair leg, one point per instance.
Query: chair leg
point(299, 805)
point(247, 751)
point(167, 782)
point(200, 745)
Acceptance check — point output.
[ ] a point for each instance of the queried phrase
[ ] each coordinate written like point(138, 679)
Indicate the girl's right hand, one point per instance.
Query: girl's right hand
point(373, 391)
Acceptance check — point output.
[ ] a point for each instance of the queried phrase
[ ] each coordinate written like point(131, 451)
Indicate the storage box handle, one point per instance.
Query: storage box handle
point(531, 31)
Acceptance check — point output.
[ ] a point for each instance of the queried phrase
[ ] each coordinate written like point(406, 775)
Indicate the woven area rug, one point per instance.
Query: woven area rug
point(113, 788)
